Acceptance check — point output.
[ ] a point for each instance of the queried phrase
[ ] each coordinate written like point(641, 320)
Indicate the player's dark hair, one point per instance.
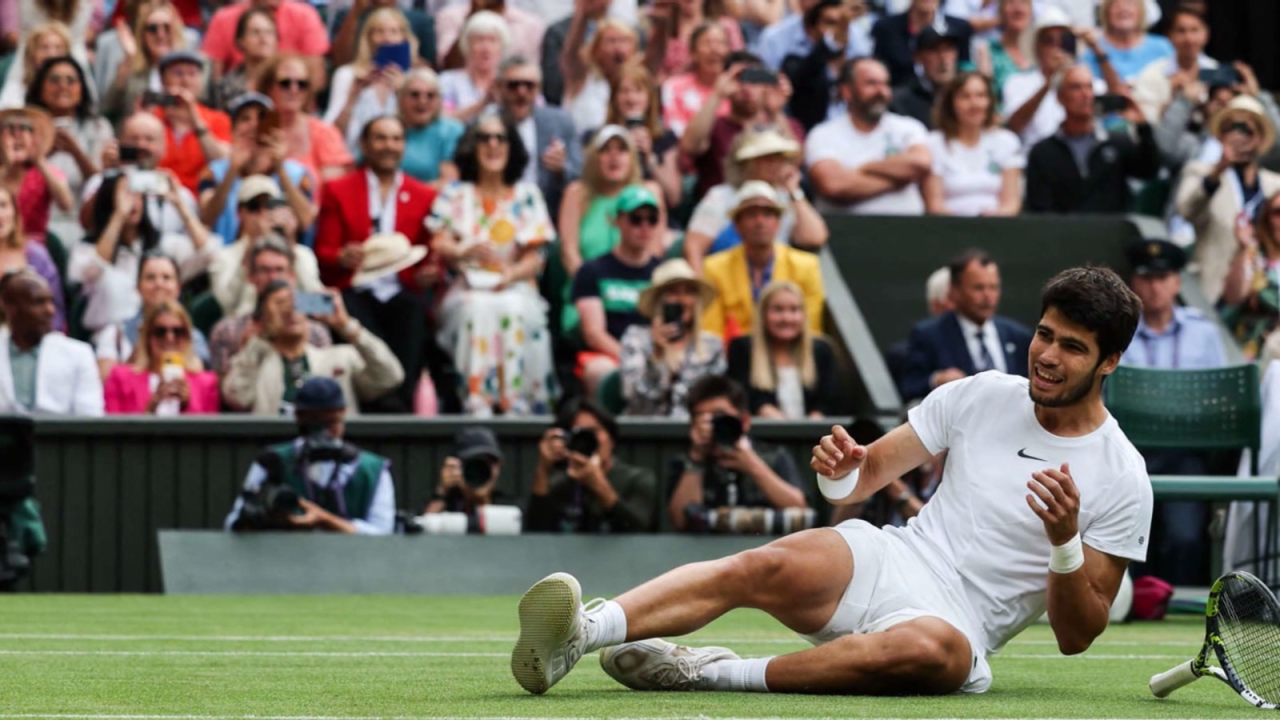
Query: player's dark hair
point(711, 387)
point(961, 262)
point(1098, 300)
point(580, 404)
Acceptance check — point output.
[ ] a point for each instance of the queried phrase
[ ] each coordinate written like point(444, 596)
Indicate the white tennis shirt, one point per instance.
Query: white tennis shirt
point(978, 526)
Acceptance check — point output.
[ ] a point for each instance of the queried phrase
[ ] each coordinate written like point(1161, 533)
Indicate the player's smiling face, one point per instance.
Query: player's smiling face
point(1064, 363)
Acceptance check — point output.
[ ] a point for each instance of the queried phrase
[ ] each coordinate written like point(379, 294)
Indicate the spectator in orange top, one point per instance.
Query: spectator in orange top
point(319, 146)
point(196, 135)
point(301, 31)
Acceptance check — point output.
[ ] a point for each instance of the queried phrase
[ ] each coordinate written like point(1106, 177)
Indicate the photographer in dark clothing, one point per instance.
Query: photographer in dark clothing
point(579, 486)
point(724, 469)
point(469, 477)
point(317, 481)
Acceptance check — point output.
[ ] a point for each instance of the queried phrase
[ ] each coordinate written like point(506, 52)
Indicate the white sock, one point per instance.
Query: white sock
point(607, 626)
point(737, 675)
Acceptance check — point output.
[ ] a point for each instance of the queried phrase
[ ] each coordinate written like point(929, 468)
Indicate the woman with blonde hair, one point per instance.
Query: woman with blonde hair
point(610, 163)
point(319, 146)
point(17, 253)
point(164, 377)
point(634, 104)
point(42, 43)
point(661, 361)
point(591, 67)
point(363, 90)
point(1125, 42)
point(789, 372)
point(157, 32)
point(467, 91)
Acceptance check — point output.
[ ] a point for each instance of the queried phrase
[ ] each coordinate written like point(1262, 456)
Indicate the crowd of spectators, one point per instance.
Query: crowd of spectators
point(493, 207)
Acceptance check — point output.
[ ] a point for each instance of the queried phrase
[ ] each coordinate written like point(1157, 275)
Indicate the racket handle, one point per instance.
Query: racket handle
point(1170, 680)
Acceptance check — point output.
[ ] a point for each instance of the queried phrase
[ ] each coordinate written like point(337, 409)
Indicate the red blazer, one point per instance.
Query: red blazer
point(127, 391)
point(344, 219)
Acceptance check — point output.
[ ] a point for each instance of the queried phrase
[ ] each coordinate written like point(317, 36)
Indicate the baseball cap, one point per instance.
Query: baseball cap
point(174, 57)
point(609, 132)
point(930, 38)
point(257, 186)
point(633, 197)
point(476, 442)
point(250, 98)
point(320, 393)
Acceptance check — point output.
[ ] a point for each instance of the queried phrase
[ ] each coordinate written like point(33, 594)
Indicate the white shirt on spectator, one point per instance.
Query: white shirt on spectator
point(990, 339)
point(973, 176)
point(457, 91)
point(840, 141)
point(1020, 88)
point(528, 130)
point(590, 107)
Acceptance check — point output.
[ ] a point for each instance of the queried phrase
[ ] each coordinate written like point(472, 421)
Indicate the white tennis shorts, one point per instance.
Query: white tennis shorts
point(891, 585)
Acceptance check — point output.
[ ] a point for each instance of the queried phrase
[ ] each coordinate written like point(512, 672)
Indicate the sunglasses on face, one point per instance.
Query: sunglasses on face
point(514, 85)
point(291, 83)
point(160, 332)
point(256, 205)
point(156, 28)
point(1241, 127)
point(642, 217)
point(485, 138)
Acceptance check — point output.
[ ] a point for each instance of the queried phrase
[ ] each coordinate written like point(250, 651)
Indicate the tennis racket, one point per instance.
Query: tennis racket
point(1242, 628)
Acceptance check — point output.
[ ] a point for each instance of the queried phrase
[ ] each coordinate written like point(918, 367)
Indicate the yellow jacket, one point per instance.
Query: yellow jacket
point(735, 307)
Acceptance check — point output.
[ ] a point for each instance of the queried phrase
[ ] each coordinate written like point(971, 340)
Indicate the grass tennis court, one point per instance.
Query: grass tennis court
point(104, 657)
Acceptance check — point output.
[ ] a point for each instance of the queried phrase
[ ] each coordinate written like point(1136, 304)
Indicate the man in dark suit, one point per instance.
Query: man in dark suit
point(969, 339)
point(554, 146)
point(378, 199)
point(895, 37)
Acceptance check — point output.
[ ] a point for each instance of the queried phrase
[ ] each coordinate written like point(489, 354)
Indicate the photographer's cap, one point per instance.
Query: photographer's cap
point(320, 393)
point(476, 442)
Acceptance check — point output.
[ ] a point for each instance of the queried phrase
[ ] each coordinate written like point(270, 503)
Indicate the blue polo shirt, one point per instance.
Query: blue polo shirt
point(1190, 342)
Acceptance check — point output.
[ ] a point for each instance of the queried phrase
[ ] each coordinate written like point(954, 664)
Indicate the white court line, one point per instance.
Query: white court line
point(427, 639)
point(411, 654)
point(74, 716)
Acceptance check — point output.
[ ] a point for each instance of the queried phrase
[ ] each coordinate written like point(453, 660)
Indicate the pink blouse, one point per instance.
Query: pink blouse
point(128, 390)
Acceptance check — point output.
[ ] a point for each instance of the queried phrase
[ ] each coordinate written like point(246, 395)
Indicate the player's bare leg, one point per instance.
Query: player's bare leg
point(926, 656)
point(798, 579)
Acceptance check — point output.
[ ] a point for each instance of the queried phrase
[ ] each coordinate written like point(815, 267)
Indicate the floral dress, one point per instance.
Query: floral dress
point(498, 337)
point(1252, 320)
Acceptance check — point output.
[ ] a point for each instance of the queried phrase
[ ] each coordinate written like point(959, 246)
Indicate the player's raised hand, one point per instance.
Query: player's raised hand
point(1059, 503)
point(837, 454)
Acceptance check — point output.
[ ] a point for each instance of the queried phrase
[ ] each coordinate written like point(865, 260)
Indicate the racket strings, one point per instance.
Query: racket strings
point(1249, 626)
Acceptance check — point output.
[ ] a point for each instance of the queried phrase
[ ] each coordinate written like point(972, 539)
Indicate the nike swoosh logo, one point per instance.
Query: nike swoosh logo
point(1023, 454)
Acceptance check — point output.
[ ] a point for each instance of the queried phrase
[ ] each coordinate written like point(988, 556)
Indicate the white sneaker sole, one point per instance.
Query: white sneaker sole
point(548, 619)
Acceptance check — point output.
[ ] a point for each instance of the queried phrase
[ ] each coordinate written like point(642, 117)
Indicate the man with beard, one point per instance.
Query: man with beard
point(1043, 504)
point(379, 199)
point(871, 161)
point(936, 55)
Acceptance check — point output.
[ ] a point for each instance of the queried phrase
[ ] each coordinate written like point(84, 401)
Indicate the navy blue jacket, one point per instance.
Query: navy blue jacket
point(938, 343)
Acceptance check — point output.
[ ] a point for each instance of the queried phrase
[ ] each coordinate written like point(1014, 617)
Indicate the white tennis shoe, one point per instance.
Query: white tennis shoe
point(554, 631)
point(661, 665)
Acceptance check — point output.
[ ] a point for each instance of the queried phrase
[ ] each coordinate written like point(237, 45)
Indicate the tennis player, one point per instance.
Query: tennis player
point(1043, 504)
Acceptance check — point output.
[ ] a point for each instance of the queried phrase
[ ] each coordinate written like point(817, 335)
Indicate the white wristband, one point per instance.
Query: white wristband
point(1067, 557)
point(839, 489)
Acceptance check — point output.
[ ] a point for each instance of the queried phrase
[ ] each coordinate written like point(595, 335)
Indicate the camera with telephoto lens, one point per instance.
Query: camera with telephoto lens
point(274, 502)
point(583, 440)
point(477, 471)
point(726, 430)
point(17, 485)
point(747, 520)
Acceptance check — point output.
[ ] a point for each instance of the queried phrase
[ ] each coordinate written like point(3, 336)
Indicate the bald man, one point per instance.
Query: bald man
point(1084, 167)
point(42, 371)
point(142, 146)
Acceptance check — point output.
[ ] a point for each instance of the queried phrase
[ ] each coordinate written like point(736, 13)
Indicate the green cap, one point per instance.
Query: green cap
point(635, 196)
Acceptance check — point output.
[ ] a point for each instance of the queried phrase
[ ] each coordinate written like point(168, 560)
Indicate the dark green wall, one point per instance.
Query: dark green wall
point(108, 485)
point(886, 260)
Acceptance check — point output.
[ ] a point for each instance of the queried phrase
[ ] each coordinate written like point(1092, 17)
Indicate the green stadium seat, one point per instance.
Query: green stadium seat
point(676, 250)
point(1199, 410)
point(205, 312)
point(609, 394)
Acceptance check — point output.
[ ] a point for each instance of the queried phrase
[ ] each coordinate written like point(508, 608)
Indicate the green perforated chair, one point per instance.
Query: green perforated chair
point(205, 312)
point(1195, 410)
point(609, 394)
